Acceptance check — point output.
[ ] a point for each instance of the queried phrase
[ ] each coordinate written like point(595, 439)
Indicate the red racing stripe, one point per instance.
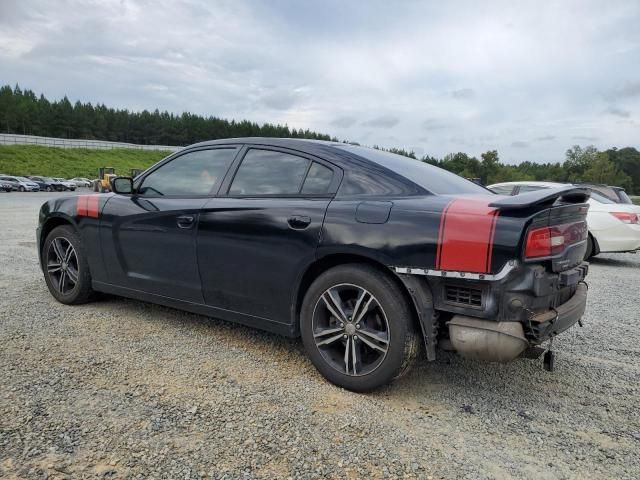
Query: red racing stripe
point(467, 230)
point(93, 201)
point(81, 209)
point(88, 206)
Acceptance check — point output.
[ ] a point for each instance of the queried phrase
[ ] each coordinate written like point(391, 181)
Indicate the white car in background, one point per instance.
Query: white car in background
point(613, 227)
point(81, 182)
point(68, 184)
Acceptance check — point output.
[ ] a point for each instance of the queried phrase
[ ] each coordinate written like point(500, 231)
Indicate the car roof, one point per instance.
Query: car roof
point(339, 153)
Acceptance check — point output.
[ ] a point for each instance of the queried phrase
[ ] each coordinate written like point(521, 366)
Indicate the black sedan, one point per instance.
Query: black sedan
point(48, 184)
point(369, 256)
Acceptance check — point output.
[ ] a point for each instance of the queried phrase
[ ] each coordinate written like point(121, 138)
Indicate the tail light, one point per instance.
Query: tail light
point(553, 240)
point(626, 217)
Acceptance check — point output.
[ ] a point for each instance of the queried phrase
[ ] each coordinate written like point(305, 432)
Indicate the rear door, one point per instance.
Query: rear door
point(256, 239)
point(149, 238)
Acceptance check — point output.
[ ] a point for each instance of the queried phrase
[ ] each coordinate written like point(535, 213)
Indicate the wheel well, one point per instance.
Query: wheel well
point(596, 247)
point(50, 225)
point(319, 267)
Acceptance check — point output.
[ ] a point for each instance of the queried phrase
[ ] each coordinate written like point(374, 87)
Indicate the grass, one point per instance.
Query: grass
point(636, 200)
point(72, 162)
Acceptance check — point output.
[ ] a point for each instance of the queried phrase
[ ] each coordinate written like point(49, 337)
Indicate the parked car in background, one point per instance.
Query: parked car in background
point(613, 227)
point(615, 194)
point(68, 185)
point(48, 184)
point(363, 253)
point(81, 182)
point(5, 186)
point(21, 184)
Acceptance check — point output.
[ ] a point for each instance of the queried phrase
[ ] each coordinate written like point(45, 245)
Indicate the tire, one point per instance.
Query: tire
point(590, 250)
point(49, 189)
point(388, 315)
point(22, 189)
point(71, 293)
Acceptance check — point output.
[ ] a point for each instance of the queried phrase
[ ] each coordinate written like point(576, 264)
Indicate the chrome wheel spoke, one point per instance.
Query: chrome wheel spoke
point(61, 281)
point(329, 340)
point(72, 274)
point(347, 353)
point(58, 250)
point(363, 310)
point(327, 331)
point(54, 267)
point(68, 253)
point(334, 307)
point(381, 348)
point(355, 354)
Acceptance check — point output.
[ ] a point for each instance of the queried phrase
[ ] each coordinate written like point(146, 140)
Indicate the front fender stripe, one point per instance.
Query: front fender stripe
point(88, 206)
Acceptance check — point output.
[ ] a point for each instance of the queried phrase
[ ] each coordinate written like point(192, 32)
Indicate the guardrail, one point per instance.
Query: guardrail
point(14, 139)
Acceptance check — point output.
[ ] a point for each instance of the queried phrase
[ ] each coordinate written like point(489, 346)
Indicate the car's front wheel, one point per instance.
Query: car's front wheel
point(49, 189)
point(65, 266)
point(357, 327)
point(22, 189)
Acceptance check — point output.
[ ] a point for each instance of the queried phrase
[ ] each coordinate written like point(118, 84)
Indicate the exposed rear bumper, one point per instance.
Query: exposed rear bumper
point(544, 326)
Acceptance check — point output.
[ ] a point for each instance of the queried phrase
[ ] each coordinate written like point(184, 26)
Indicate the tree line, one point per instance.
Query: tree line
point(22, 112)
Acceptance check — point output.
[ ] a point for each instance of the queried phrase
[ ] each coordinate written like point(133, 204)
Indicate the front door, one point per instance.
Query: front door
point(255, 241)
point(149, 238)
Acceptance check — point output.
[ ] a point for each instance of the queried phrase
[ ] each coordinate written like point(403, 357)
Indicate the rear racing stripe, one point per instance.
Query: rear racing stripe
point(467, 230)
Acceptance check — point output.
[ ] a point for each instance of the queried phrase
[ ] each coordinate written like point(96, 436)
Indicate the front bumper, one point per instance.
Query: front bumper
point(549, 324)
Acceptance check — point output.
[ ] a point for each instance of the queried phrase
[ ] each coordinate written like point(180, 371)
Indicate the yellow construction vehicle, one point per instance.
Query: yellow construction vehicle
point(103, 183)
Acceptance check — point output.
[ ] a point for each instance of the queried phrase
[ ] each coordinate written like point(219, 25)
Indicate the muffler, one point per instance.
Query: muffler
point(486, 340)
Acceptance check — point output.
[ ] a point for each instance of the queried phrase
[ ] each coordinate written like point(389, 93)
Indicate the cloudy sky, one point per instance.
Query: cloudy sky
point(527, 78)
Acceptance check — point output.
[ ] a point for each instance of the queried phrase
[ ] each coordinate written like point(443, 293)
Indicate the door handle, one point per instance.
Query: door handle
point(299, 221)
point(186, 221)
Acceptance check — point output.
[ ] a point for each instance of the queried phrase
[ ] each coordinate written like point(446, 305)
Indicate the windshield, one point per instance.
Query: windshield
point(434, 179)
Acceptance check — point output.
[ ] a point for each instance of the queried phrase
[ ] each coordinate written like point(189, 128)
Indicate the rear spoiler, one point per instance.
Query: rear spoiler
point(545, 196)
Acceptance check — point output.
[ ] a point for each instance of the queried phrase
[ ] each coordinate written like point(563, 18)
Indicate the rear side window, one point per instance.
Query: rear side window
point(502, 190)
point(266, 172)
point(433, 179)
point(530, 188)
point(318, 180)
point(194, 173)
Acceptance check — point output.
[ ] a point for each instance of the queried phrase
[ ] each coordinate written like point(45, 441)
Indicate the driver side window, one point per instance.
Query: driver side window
point(191, 174)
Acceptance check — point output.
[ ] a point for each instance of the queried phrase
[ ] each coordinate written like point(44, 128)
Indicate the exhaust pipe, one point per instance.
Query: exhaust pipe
point(487, 340)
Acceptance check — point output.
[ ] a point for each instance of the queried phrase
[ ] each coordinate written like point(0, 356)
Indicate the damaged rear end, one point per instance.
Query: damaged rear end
point(511, 276)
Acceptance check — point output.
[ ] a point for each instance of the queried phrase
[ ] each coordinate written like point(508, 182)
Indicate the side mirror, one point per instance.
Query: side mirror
point(122, 185)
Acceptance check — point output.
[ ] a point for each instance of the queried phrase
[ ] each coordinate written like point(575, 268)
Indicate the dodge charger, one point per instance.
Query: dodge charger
point(370, 257)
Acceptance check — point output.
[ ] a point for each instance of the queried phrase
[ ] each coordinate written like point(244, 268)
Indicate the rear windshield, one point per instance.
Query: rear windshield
point(598, 197)
point(434, 179)
point(624, 198)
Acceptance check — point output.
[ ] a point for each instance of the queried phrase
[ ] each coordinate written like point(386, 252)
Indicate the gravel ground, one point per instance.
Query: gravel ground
point(124, 389)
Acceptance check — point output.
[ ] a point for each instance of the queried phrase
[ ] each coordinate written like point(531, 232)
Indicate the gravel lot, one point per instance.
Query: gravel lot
point(124, 389)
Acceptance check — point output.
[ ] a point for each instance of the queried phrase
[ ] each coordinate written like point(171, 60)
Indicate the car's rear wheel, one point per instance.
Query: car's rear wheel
point(49, 189)
point(357, 327)
point(65, 266)
point(22, 189)
point(590, 248)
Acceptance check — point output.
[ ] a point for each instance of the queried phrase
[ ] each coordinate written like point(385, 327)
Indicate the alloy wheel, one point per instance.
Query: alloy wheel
point(350, 329)
point(62, 265)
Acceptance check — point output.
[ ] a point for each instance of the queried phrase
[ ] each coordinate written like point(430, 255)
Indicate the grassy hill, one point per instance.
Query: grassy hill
point(72, 162)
